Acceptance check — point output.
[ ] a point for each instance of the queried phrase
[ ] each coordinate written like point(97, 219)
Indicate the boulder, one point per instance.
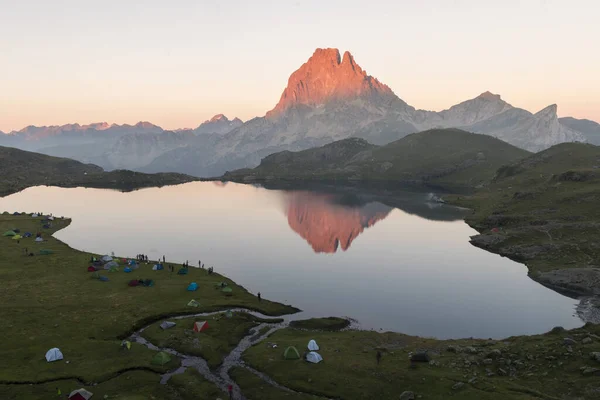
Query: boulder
point(595, 356)
point(458, 386)
point(586, 340)
point(569, 342)
point(496, 353)
point(420, 357)
point(407, 396)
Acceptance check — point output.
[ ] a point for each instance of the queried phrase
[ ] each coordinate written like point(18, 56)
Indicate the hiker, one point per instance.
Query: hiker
point(199, 264)
point(202, 265)
point(258, 295)
point(164, 259)
point(230, 391)
point(378, 356)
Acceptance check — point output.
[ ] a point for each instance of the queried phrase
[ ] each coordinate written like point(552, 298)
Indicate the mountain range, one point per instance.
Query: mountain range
point(329, 98)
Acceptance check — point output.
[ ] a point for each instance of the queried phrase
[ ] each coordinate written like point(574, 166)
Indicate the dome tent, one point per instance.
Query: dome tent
point(312, 345)
point(291, 353)
point(54, 354)
point(80, 394)
point(167, 324)
point(192, 287)
point(314, 357)
point(200, 326)
point(161, 358)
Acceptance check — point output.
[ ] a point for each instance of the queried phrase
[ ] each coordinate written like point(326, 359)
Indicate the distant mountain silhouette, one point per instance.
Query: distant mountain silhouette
point(325, 223)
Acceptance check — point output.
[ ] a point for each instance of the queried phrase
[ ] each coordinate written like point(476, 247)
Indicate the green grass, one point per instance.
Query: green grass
point(350, 370)
point(51, 301)
point(323, 324)
point(255, 388)
point(213, 345)
point(133, 385)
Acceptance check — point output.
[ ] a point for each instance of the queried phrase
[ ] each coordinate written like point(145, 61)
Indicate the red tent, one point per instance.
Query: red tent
point(200, 326)
point(133, 282)
point(91, 269)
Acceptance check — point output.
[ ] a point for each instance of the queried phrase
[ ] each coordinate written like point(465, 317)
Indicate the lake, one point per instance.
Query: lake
point(408, 268)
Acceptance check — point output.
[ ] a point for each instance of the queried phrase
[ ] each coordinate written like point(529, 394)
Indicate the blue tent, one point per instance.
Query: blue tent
point(127, 269)
point(27, 234)
point(103, 278)
point(16, 213)
point(131, 262)
point(192, 287)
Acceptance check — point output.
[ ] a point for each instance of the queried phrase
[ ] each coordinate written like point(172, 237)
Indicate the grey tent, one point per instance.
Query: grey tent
point(110, 265)
point(106, 258)
point(167, 324)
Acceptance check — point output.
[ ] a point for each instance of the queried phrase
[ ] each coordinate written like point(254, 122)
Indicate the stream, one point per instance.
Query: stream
point(220, 377)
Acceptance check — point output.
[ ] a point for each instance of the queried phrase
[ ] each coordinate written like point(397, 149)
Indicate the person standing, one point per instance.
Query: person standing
point(230, 391)
point(378, 357)
point(258, 295)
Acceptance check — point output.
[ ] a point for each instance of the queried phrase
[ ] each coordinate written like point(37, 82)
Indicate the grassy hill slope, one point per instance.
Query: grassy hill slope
point(543, 211)
point(446, 157)
point(21, 169)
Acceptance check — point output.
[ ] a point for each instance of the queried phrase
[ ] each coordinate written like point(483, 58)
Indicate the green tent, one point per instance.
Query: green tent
point(193, 303)
point(95, 275)
point(291, 353)
point(45, 252)
point(113, 269)
point(182, 271)
point(161, 358)
point(228, 314)
point(226, 290)
point(9, 233)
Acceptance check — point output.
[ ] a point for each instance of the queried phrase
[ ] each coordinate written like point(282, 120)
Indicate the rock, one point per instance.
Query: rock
point(471, 350)
point(595, 356)
point(590, 371)
point(453, 349)
point(472, 380)
point(488, 361)
point(407, 396)
point(434, 363)
point(502, 372)
point(569, 342)
point(420, 357)
point(458, 386)
point(496, 353)
point(587, 340)
point(557, 329)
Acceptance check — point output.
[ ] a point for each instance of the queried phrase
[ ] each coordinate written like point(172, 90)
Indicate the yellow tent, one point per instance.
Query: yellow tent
point(17, 237)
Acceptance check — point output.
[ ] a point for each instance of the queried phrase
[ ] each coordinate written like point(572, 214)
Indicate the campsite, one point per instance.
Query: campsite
point(67, 330)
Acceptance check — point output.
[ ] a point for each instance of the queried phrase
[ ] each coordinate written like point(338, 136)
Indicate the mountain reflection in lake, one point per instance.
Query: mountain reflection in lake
point(407, 265)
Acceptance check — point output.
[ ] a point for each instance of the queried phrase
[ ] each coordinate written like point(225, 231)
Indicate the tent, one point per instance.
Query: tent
point(45, 252)
point(167, 324)
point(161, 358)
point(16, 230)
point(113, 269)
point(127, 269)
point(34, 215)
point(126, 344)
point(192, 287)
point(95, 275)
point(148, 282)
point(80, 394)
point(9, 233)
point(17, 237)
point(91, 269)
point(27, 234)
point(133, 282)
point(228, 314)
point(193, 303)
point(312, 345)
point(111, 264)
point(39, 239)
point(200, 326)
point(226, 290)
point(131, 262)
point(51, 218)
point(54, 354)
point(314, 357)
point(158, 267)
point(103, 278)
point(291, 353)
point(16, 213)
point(182, 271)
point(106, 258)
point(46, 226)
point(221, 284)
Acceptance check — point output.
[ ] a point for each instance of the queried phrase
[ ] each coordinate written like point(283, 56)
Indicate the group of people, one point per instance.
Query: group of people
point(142, 257)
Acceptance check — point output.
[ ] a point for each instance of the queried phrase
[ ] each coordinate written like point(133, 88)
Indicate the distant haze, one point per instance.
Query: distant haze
point(179, 63)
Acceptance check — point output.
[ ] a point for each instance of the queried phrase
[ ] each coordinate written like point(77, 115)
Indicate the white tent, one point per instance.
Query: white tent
point(54, 354)
point(167, 324)
point(312, 345)
point(39, 239)
point(34, 215)
point(50, 218)
point(106, 258)
point(80, 394)
point(314, 357)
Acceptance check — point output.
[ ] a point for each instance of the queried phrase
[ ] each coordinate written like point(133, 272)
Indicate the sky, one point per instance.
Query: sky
point(178, 63)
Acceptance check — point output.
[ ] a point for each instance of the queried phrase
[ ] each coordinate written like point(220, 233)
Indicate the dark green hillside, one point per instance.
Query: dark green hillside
point(444, 157)
point(20, 169)
point(544, 211)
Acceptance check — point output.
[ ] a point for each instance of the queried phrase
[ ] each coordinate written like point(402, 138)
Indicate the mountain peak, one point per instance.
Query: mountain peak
point(487, 95)
point(326, 76)
point(219, 117)
point(550, 111)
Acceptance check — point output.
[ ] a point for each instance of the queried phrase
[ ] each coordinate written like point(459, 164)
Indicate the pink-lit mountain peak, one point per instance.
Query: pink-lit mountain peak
point(327, 76)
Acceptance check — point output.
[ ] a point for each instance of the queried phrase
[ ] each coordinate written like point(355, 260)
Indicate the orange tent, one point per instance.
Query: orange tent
point(200, 326)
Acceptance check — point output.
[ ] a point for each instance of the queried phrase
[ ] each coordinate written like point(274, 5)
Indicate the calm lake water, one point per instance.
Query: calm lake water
point(409, 269)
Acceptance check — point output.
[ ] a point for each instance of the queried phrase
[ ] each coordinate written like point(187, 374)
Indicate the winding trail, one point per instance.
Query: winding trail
point(221, 377)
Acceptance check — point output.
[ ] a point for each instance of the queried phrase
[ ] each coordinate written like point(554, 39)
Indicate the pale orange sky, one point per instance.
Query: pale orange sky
point(177, 65)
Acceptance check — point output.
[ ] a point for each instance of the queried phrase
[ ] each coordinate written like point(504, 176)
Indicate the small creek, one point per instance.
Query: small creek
point(220, 377)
